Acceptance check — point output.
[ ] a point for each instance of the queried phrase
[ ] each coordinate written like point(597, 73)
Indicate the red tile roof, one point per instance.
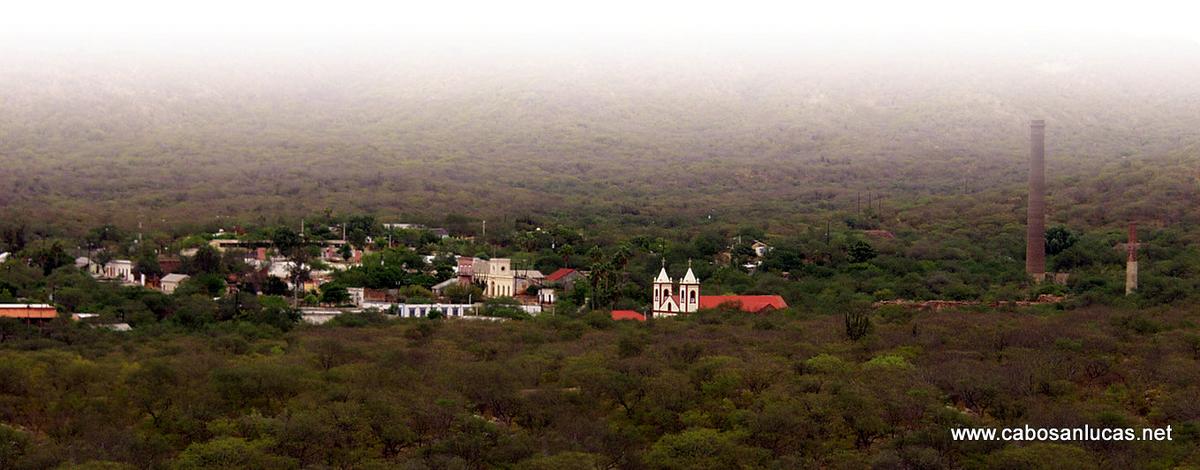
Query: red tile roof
point(558, 275)
point(627, 315)
point(747, 303)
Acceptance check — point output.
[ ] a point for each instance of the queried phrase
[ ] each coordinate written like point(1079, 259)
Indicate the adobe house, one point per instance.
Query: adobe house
point(29, 313)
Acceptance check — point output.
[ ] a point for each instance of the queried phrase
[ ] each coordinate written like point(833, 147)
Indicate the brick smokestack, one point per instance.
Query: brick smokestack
point(1035, 235)
point(1131, 267)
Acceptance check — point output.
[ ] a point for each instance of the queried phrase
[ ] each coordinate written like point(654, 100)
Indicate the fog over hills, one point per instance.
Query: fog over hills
point(643, 132)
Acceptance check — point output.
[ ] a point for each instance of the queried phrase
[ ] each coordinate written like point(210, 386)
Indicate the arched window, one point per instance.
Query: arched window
point(693, 297)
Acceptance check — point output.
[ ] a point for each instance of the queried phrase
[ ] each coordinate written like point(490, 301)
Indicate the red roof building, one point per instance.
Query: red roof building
point(745, 303)
point(564, 278)
point(28, 311)
point(561, 274)
point(627, 315)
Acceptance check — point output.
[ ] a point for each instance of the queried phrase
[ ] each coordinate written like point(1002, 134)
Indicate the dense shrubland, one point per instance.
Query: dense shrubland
point(718, 390)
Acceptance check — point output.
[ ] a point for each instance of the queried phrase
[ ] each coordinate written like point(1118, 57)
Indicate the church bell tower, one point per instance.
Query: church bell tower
point(669, 300)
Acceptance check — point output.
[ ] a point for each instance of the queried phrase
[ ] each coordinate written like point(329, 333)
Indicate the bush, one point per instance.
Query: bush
point(858, 323)
point(370, 317)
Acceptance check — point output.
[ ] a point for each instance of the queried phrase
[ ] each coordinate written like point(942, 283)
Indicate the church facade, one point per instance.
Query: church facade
point(672, 298)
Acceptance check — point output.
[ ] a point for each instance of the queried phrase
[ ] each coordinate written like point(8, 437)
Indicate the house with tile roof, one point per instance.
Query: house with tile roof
point(628, 315)
point(29, 312)
point(745, 303)
point(563, 277)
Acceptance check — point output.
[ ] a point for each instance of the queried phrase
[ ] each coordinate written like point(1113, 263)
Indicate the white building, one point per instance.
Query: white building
point(423, 310)
point(319, 315)
point(171, 282)
point(420, 310)
point(120, 269)
point(760, 249)
point(547, 296)
point(402, 226)
point(670, 300)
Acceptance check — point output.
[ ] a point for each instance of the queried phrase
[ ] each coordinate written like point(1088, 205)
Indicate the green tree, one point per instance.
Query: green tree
point(860, 251)
point(702, 448)
point(206, 284)
point(334, 294)
point(231, 453)
point(274, 310)
point(47, 254)
point(13, 444)
point(147, 263)
point(194, 311)
point(463, 293)
point(416, 294)
point(1059, 239)
point(206, 261)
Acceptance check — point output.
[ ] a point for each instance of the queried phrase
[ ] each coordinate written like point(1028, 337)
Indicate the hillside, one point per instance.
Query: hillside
point(656, 138)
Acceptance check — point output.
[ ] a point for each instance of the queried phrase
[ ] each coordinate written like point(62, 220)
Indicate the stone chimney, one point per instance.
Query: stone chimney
point(1131, 265)
point(1035, 235)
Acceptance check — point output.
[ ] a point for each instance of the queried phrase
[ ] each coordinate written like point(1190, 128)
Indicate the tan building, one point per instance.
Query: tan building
point(497, 277)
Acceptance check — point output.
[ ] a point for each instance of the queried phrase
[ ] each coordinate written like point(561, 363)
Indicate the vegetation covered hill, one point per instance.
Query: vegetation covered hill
point(657, 135)
point(717, 390)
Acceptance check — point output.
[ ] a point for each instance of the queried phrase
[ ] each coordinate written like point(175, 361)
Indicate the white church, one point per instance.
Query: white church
point(671, 298)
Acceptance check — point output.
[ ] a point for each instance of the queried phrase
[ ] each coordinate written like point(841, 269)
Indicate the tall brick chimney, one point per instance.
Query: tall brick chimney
point(1035, 235)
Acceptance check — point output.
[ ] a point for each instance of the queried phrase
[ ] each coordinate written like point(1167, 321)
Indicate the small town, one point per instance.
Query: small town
point(401, 270)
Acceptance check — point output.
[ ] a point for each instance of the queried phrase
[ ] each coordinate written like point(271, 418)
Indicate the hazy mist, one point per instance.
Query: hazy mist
point(432, 119)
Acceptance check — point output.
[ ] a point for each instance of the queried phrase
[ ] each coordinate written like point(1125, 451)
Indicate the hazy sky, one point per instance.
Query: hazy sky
point(1149, 18)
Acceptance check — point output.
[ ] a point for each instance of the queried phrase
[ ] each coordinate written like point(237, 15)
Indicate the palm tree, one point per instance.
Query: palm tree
point(566, 251)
